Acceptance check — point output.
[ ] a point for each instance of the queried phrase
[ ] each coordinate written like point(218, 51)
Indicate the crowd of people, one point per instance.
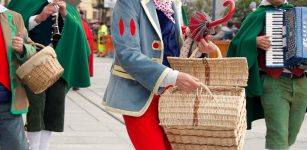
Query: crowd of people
point(144, 33)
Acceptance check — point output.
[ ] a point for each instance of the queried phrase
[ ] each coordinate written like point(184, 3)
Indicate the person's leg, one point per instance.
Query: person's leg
point(44, 140)
point(35, 118)
point(12, 134)
point(35, 113)
point(55, 106)
point(276, 104)
point(34, 140)
point(145, 132)
point(298, 108)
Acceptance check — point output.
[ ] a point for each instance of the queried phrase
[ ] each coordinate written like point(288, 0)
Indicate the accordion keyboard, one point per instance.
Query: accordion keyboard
point(274, 29)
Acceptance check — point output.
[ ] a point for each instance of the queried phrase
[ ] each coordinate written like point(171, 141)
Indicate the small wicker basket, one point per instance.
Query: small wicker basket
point(40, 71)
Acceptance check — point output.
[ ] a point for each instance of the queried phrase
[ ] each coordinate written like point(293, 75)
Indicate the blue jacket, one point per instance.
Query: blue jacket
point(137, 70)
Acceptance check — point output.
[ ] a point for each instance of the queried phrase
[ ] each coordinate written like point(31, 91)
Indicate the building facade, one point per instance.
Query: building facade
point(90, 12)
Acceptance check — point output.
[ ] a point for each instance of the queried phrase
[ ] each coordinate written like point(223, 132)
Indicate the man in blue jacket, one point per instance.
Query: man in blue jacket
point(145, 32)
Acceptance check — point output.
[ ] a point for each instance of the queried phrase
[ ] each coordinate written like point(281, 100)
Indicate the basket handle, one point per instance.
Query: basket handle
point(202, 86)
point(215, 46)
point(206, 88)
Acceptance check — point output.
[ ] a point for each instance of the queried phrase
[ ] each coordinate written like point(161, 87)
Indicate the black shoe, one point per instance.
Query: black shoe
point(75, 89)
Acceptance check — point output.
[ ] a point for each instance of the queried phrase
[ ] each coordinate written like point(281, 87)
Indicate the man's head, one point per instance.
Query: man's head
point(276, 2)
point(253, 6)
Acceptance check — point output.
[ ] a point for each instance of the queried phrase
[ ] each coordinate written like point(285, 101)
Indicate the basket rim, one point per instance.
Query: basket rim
point(46, 54)
point(221, 66)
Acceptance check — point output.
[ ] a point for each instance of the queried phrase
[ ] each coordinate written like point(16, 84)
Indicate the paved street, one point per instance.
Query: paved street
point(90, 127)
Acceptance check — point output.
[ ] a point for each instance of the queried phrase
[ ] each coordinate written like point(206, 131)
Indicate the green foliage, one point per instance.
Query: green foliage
point(298, 2)
point(242, 8)
point(199, 6)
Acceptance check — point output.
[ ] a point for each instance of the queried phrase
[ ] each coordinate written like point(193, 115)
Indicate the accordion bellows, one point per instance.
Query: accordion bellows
point(198, 120)
point(41, 71)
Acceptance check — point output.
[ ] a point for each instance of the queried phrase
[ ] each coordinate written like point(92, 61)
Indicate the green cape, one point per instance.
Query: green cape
point(184, 16)
point(244, 45)
point(72, 49)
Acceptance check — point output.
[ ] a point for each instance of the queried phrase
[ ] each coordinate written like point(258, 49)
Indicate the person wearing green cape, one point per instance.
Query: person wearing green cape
point(46, 111)
point(282, 91)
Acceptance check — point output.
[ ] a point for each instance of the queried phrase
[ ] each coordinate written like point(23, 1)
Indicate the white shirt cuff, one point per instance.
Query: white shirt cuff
point(170, 78)
point(32, 22)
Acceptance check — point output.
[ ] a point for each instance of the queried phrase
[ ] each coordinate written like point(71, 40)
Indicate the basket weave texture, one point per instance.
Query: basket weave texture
point(41, 71)
point(211, 119)
point(214, 71)
point(205, 136)
point(223, 110)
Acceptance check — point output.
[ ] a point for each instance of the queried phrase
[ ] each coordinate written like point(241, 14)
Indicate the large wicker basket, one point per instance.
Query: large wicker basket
point(40, 71)
point(222, 110)
point(211, 118)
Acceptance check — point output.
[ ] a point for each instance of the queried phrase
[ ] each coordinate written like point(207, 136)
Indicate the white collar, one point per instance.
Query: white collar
point(164, 1)
point(2, 8)
point(265, 2)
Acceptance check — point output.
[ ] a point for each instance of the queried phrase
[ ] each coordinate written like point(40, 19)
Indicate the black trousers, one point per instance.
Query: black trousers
point(46, 111)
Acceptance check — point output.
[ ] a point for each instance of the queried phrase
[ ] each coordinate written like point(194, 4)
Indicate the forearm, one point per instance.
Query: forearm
point(170, 78)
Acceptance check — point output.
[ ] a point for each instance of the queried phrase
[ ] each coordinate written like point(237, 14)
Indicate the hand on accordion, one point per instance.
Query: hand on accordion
point(263, 42)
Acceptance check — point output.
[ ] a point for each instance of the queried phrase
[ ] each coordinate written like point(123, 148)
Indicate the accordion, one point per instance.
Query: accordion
point(288, 34)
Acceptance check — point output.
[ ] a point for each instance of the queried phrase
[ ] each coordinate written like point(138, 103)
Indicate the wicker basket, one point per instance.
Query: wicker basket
point(40, 71)
point(213, 119)
point(184, 146)
point(222, 110)
point(214, 71)
point(179, 134)
point(210, 119)
point(201, 131)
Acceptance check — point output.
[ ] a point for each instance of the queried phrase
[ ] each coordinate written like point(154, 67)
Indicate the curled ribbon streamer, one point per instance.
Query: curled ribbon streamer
point(201, 24)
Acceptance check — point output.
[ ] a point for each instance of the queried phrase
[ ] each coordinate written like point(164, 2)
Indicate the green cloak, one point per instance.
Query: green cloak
point(184, 16)
point(244, 45)
point(72, 49)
